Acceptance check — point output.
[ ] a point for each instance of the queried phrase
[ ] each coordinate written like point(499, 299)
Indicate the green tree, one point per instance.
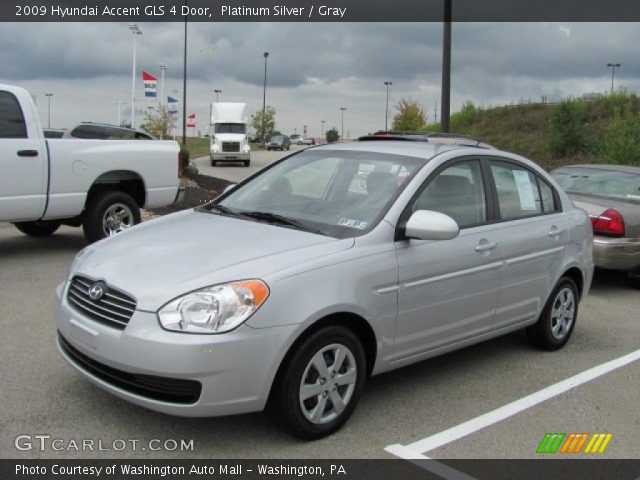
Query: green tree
point(159, 122)
point(621, 143)
point(567, 135)
point(265, 123)
point(332, 135)
point(410, 115)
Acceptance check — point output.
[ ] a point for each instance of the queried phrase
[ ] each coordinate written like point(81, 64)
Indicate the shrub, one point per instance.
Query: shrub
point(332, 135)
point(621, 142)
point(567, 135)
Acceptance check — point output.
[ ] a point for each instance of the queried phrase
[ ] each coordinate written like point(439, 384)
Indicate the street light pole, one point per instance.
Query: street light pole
point(386, 110)
point(446, 69)
point(613, 67)
point(217, 92)
point(342, 109)
point(322, 122)
point(163, 68)
point(184, 85)
point(135, 30)
point(48, 95)
point(264, 99)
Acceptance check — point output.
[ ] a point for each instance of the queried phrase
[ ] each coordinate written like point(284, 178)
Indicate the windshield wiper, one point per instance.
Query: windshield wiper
point(221, 209)
point(276, 219)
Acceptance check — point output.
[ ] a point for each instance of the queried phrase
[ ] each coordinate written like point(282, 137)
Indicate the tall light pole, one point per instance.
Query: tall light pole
point(613, 67)
point(135, 30)
point(118, 103)
point(217, 92)
point(48, 95)
point(386, 110)
point(322, 122)
point(445, 102)
point(184, 85)
point(264, 98)
point(342, 109)
point(163, 68)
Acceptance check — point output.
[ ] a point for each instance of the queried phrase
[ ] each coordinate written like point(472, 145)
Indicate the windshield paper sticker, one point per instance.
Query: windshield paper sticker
point(348, 222)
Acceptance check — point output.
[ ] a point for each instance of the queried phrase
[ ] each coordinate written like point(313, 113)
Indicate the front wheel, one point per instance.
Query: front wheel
point(39, 228)
point(109, 213)
point(558, 318)
point(320, 384)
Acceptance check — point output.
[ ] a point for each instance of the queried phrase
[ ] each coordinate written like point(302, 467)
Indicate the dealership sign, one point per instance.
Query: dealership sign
point(150, 84)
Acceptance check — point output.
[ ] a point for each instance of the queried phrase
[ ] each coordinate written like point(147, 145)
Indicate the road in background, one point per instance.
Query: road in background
point(235, 172)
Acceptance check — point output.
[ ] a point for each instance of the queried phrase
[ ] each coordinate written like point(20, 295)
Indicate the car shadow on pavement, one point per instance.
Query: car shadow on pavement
point(25, 245)
point(610, 280)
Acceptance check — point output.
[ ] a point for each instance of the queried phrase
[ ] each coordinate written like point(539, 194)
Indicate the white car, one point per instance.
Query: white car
point(98, 184)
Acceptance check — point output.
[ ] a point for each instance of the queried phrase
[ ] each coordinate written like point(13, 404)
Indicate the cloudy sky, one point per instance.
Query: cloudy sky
point(313, 69)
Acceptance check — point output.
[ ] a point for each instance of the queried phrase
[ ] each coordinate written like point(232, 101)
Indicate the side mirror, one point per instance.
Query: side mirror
point(229, 187)
point(430, 225)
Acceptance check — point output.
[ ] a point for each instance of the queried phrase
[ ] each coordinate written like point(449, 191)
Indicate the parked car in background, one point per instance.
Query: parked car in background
point(101, 185)
point(307, 141)
point(279, 142)
point(611, 196)
point(295, 139)
point(104, 131)
point(53, 133)
point(328, 266)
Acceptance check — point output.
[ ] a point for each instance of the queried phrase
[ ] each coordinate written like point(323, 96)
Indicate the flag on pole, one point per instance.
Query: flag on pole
point(150, 84)
point(191, 121)
point(172, 103)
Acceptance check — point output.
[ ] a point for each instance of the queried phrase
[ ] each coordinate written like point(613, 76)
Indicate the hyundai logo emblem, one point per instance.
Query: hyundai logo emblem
point(96, 291)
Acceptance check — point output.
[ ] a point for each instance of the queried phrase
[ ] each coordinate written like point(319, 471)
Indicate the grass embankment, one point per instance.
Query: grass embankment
point(605, 129)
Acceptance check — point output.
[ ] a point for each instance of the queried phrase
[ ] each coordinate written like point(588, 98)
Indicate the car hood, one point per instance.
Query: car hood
point(161, 259)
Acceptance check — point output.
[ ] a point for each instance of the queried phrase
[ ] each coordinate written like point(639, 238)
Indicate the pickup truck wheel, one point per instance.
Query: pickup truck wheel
point(320, 384)
point(109, 213)
point(39, 228)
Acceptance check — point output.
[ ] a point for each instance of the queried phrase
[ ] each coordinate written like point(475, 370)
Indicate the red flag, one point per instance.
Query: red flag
point(147, 76)
point(191, 121)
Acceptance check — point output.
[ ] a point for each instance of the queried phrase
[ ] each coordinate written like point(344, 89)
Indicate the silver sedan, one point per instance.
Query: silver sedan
point(334, 264)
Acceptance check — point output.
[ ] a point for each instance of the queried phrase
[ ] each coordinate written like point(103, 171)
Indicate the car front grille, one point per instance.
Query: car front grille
point(173, 390)
point(113, 308)
point(230, 146)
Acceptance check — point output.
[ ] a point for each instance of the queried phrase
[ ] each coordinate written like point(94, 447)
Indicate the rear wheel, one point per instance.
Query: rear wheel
point(109, 213)
point(320, 384)
point(39, 228)
point(558, 318)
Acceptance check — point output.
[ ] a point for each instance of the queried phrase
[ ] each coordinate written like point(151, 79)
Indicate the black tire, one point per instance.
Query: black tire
point(247, 163)
point(285, 402)
point(39, 228)
point(96, 208)
point(541, 334)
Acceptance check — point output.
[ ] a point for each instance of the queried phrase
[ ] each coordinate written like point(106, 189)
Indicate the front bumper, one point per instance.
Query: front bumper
point(616, 253)
point(235, 369)
point(230, 156)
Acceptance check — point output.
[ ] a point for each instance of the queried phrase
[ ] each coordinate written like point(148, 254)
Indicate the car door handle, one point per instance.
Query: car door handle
point(486, 246)
point(27, 153)
point(556, 232)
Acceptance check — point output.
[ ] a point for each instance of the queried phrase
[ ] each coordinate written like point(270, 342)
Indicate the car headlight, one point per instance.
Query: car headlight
point(215, 309)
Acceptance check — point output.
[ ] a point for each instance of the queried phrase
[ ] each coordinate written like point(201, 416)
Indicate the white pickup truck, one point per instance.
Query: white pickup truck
point(99, 184)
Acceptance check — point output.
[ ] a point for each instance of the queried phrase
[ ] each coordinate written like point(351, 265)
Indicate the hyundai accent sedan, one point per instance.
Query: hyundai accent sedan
point(331, 265)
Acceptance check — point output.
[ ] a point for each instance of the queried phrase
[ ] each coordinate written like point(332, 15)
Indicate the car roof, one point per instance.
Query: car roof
point(600, 166)
point(424, 150)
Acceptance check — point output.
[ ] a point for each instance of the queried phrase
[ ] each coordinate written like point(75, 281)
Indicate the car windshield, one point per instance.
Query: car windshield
point(614, 184)
point(336, 193)
point(230, 128)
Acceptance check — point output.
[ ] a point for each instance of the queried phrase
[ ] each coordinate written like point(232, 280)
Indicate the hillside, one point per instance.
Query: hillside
point(604, 129)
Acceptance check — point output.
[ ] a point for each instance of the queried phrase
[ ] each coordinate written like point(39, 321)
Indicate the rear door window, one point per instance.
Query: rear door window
point(12, 124)
point(517, 190)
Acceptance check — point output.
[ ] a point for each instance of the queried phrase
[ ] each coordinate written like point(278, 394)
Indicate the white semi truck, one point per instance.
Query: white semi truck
point(229, 138)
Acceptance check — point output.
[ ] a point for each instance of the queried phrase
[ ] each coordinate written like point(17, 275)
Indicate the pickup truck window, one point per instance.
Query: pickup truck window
point(12, 123)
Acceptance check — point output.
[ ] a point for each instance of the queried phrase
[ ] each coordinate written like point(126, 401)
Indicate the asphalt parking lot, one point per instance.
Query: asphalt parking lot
point(40, 394)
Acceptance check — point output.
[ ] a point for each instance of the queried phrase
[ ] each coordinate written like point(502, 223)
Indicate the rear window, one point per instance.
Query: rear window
point(598, 182)
point(12, 124)
point(89, 131)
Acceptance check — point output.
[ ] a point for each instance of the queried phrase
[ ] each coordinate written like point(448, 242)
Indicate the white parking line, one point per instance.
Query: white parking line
point(417, 449)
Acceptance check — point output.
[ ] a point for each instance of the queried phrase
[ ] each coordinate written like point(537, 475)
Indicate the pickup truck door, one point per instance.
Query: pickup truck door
point(23, 161)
